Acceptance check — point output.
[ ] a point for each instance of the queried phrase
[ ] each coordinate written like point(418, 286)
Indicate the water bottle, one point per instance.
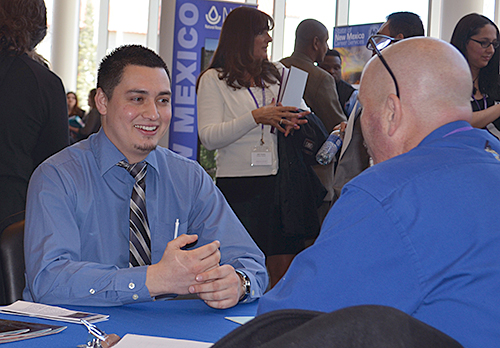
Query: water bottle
point(329, 148)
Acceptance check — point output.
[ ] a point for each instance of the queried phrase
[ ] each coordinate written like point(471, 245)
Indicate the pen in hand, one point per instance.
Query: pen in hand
point(176, 230)
point(176, 233)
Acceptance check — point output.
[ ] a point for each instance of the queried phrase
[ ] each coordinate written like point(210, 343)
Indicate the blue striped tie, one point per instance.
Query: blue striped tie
point(140, 236)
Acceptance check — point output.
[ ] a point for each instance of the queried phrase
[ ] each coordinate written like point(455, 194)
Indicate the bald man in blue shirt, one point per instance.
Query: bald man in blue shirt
point(418, 231)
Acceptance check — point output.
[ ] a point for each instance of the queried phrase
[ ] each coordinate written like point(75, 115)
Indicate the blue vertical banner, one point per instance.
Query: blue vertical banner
point(350, 41)
point(197, 28)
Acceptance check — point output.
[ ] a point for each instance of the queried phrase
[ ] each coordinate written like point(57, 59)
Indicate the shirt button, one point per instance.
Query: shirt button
point(92, 291)
point(135, 297)
point(253, 292)
point(131, 286)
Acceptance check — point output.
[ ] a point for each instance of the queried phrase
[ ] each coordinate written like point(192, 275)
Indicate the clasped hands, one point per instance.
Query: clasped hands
point(283, 118)
point(195, 271)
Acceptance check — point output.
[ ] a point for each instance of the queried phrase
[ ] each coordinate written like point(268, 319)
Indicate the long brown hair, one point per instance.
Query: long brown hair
point(234, 58)
point(23, 24)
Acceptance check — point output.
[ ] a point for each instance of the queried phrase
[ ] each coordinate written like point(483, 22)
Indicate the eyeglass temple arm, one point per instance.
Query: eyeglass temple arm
point(382, 59)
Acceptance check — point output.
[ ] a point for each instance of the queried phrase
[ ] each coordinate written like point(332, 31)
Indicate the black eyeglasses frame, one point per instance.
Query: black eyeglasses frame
point(495, 44)
point(372, 46)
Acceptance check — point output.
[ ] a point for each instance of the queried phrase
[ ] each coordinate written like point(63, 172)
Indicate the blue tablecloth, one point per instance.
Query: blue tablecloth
point(184, 319)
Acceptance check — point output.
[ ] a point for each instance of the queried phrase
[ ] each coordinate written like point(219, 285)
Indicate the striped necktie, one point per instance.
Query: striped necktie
point(140, 236)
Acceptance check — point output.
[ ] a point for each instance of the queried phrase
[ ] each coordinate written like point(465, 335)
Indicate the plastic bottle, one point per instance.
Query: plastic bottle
point(329, 148)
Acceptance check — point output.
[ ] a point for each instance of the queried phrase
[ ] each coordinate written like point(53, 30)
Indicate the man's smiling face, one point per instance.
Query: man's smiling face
point(139, 111)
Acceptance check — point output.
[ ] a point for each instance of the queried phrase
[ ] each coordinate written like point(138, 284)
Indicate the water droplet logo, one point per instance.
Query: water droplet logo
point(373, 30)
point(213, 17)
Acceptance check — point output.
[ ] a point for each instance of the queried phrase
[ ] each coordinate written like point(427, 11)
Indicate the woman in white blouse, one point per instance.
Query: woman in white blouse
point(238, 116)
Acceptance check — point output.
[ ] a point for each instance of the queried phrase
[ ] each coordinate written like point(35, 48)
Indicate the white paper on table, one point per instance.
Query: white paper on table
point(239, 320)
point(39, 310)
point(293, 87)
point(134, 341)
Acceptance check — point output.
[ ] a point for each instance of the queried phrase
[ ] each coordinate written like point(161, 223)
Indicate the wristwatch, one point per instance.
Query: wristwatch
point(245, 283)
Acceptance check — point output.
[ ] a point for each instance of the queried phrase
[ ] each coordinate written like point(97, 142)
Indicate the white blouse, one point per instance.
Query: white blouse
point(225, 123)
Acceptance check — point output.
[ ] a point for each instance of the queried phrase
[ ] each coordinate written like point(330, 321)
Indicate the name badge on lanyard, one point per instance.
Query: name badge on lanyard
point(261, 154)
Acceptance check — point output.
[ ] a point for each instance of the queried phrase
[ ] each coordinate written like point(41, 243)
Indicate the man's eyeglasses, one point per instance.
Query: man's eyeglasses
point(486, 43)
point(377, 43)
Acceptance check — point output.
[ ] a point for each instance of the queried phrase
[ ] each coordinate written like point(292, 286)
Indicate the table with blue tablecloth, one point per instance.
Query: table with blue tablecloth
point(182, 319)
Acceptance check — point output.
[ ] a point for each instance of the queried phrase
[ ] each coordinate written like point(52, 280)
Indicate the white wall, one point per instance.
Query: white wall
point(452, 11)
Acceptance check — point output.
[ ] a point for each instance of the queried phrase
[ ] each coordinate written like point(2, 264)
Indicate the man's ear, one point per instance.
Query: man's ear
point(394, 114)
point(101, 102)
point(315, 43)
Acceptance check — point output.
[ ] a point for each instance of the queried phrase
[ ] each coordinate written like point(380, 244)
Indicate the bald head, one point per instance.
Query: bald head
point(435, 84)
point(307, 30)
point(311, 38)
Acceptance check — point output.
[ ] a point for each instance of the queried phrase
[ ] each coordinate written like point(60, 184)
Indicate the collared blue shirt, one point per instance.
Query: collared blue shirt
point(77, 224)
point(419, 232)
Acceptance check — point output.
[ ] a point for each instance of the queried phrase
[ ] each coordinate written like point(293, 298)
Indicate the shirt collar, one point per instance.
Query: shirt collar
point(445, 130)
point(107, 154)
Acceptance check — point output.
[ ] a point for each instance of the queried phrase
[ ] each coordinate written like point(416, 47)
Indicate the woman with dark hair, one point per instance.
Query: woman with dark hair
point(477, 37)
point(33, 113)
point(73, 108)
point(92, 120)
point(238, 116)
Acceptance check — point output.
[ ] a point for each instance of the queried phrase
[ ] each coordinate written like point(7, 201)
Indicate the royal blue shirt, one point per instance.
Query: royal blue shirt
point(77, 224)
point(419, 232)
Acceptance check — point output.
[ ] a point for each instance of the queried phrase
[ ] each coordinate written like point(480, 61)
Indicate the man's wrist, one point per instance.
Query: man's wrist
point(245, 285)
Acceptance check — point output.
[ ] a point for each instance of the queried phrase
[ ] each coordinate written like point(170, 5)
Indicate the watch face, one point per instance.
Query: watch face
point(246, 282)
point(247, 285)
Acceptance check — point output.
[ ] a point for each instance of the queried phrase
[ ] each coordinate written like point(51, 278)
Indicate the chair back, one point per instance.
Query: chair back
point(12, 261)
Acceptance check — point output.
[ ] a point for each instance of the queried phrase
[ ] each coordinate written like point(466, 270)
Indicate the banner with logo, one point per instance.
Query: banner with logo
point(350, 41)
point(196, 33)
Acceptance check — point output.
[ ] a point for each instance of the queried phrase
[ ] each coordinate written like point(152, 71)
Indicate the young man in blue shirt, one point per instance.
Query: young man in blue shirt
point(77, 234)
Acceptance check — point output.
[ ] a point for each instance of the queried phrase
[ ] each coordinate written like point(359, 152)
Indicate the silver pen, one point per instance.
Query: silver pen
point(176, 230)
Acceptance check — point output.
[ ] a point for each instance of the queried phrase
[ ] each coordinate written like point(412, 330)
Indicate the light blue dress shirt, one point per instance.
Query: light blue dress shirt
point(77, 224)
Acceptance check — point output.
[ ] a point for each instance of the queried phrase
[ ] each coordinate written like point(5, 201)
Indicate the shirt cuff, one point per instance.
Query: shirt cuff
point(253, 295)
point(131, 286)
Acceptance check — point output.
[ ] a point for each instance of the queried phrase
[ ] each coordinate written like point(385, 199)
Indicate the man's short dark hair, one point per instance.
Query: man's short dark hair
point(407, 23)
point(111, 69)
point(307, 30)
point(333, 53)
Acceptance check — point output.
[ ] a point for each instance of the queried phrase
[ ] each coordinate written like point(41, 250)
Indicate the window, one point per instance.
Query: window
point(298, 10)
point(87, 49)
point(128, 22)
point(489, 9)
point(44, 47)
point(368, 11)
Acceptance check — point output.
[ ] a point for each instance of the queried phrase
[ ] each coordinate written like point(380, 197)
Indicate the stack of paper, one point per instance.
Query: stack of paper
point(11, 330)
point(292, 87)
point(51, 312)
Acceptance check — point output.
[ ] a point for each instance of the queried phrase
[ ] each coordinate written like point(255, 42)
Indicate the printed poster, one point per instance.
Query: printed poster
point(351, 41)
point(196, 32)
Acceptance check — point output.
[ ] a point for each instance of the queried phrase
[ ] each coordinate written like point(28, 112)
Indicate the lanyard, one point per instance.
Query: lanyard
point(458, 130)
point(257, 104)
point(255, 99)
point(477, 103)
